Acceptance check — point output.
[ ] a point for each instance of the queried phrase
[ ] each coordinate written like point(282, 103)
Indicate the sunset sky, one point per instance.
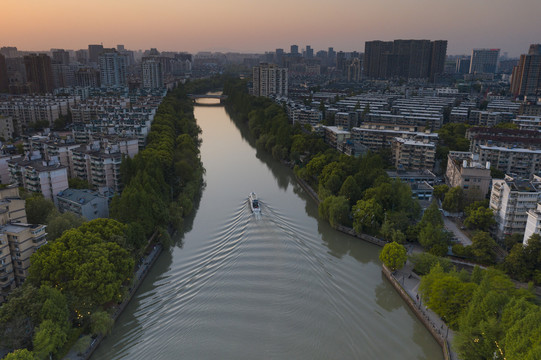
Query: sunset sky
point(258, 26)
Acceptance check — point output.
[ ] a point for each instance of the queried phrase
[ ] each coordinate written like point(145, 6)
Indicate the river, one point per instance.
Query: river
point(282, 286)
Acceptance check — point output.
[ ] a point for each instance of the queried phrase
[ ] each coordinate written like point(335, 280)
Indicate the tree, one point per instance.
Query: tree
point(49, 338)
point(101, 323)
point(76, 183)
point(423, 262)
point(393, 255)
point(434, 239)
point(454, 200)
point(38, 209)
point(18, 317)
point(20, 354)
point(483, 247)
point(335, 209)
point(440, 191)
point(367, 216)
point(432, 215)
point(350, 190)
point(58, 223)
point(480, 219)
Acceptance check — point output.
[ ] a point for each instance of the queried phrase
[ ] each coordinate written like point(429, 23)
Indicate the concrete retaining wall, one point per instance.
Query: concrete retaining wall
point(414, 307)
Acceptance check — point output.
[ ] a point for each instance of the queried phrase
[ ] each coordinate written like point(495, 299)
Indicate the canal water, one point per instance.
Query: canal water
point(282, 286)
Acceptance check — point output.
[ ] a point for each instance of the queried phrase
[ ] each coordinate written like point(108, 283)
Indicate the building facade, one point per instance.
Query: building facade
point(511, 200)
point(484, 61)
point(83, 202)
point(465, 171)
point(113, 69)
point(269, 79)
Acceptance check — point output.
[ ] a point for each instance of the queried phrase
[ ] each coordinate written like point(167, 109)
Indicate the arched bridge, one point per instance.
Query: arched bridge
point(194, 97)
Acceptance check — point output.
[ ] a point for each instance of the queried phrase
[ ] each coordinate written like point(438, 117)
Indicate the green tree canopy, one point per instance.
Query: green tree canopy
point(393, 255)
point(38, 209)
point(454, 200)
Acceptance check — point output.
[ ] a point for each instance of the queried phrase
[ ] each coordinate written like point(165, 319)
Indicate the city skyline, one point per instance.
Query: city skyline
point(255, 27)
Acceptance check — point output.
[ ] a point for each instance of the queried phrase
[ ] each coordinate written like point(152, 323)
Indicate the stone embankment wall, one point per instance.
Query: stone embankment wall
point(417, 311)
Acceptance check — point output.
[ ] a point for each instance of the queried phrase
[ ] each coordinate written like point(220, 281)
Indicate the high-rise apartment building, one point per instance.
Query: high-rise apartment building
point(113, 68)
point(39, 73)
point(294, 50)
point(484, 61)
point(94, 52)
point(152, 73)
point(463, 65)
point(4, 84)
point(309, 52)
point(269, 79)
point(410, 59)
point(526, 79)
point(61, 56)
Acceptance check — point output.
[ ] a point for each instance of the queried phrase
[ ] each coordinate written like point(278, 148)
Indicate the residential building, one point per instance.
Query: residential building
point(46, 178)
point(510, 138)
point(94, 51)
point(413, 155)
point(152, 73)
point(269, 79)
point(334, 135)
point(378, 136)
point(83, 202)
point(464, 170)
point(5, 176)
point(533, 223)
point(410, 59)
point(18, 240)
point(7, 129)
point(529, 123)
point(484, 61)
point(511, 199)
point(526, 78)
point(87, 77)
point(39, 73)
point(520, 162)
point(4, 82)
point(113, 68)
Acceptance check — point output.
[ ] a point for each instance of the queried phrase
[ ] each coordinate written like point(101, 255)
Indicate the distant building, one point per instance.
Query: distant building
point(4, 83)
point(269, 79)
point(511, 200)
point(465, 171)
point(85, 203)
point(94, 52)
point(61, 56)
point(484, 61)
point(113, 68)
point(463, 65)
point(409, 59)
point(152, 73)
point(526, 79)
point(294, 50)
point(39, 73)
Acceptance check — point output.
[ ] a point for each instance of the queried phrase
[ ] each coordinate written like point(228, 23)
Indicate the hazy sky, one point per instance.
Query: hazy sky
point(258, 26)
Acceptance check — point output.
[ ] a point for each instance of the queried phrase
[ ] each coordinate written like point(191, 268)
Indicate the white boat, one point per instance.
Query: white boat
point(254, 203)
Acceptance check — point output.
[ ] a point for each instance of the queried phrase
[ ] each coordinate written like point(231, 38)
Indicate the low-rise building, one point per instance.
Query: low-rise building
point(85, 203)
point(18, 240)
point(511, 199)
point(413, 155)
point(46, 178)
point(465, 171)
point(515, 161)
point(334, 135)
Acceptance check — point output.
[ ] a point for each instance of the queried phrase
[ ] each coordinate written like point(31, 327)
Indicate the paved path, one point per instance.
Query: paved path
point(452, 227)
point(410, 282)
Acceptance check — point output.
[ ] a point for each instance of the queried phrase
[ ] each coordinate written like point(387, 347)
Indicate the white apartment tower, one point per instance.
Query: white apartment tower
point(511, 200)
point(152, 74)
point(269, 79)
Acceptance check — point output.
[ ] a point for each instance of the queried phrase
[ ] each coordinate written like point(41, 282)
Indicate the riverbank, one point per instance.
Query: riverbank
point(139, 275)
point(408, 290)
